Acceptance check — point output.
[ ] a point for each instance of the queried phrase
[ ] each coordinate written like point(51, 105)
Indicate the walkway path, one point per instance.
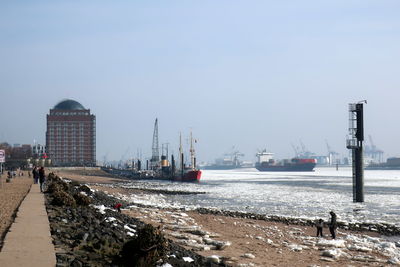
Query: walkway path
point(29, 243)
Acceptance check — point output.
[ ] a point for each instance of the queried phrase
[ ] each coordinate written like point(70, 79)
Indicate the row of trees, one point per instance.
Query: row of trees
point(17, 156)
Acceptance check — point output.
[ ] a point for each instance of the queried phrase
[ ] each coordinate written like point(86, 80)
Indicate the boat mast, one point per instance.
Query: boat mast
point(192, 155)
point(180, 151)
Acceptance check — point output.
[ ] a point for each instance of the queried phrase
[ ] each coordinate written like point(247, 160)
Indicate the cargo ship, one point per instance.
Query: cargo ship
point(390, 164)
point(230, 162)
point(266, 163)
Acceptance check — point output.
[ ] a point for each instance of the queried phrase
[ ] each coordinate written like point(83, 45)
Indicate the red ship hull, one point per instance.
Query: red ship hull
point(190, 176)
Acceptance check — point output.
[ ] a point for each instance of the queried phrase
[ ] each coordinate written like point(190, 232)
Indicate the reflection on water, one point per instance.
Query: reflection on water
point(308, 195)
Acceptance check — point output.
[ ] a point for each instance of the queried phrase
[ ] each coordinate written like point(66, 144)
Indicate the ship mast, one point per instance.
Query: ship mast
point(180, 151)
point(192, 153)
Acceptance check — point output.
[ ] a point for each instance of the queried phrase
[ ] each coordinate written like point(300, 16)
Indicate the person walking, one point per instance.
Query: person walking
point(35, 174)
point(42, 176)
point(320, 226)
point(333, 224)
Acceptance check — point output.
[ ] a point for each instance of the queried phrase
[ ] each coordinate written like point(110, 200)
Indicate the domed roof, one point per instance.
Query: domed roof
point(69, 104)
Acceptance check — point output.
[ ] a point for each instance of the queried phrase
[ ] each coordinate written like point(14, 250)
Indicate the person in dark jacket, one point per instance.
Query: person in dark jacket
point(42, 176)
point(320, 226)
point(35, 174)
point(333, 224)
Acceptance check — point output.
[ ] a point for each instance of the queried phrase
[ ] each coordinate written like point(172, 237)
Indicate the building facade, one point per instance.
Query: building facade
point(71, 135)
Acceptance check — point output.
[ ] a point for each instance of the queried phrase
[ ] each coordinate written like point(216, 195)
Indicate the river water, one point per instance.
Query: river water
point(292, 194)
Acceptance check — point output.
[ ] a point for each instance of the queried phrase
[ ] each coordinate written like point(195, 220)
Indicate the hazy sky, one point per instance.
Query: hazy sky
point(249, 74)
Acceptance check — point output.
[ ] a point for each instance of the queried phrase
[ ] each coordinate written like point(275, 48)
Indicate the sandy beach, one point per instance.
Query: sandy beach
point(249, 242)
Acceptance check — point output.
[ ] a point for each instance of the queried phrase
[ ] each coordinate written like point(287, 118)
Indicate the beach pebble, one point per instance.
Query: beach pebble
point(331, 243)
point(332, 253)
point(309, 243)
point(246, 264)
point(249, 256)
point(188, 259)
point(358, 248)
point(327, 259)
point(269, 241)
point(295, 247)
point(213, 259)
point(221, 245)
point(363, 258)
point(394, 261)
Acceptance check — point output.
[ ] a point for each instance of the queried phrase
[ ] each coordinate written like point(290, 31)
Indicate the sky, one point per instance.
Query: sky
point(242, 74)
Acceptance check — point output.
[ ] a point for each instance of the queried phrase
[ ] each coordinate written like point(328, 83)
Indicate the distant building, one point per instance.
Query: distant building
point(16, 156)
point(71, 135)
point(38, 151)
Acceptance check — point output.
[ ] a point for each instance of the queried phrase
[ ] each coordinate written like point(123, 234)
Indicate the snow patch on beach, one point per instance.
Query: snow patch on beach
point(100, 208)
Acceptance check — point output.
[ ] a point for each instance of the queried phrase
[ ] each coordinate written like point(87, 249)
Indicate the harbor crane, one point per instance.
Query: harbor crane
point(155, 155)
point(331, 154)
point(304, 152)
point(372, 152)
point(234, 156)
point(296, 150)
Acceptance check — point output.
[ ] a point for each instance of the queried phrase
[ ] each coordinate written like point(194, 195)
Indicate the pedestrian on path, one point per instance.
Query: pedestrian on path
point(42, 176)
point(333, 224)
point(35, 174)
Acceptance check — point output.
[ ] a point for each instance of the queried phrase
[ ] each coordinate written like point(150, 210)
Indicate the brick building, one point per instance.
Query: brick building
point(71, 135)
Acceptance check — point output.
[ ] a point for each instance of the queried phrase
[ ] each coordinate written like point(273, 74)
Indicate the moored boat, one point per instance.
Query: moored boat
point(266, 163)
point(189, 176)
point(187, 173)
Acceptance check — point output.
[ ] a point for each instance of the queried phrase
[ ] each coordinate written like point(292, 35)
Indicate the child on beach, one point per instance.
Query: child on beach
point(320, 226)
point(118, 207)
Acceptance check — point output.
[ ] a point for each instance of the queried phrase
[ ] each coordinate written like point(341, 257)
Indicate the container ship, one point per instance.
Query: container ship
point(230, 162)
point(390, 164)
point(266, 163)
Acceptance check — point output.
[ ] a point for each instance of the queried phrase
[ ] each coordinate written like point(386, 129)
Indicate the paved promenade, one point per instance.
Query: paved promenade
point(29, 243)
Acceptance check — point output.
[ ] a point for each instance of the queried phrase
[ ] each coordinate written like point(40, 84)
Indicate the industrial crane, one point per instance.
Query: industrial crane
point(331, 154)
point(373, 152)
point(155, 155)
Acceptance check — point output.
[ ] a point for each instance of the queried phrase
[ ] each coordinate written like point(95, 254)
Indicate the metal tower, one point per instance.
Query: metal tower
point(155, 155)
